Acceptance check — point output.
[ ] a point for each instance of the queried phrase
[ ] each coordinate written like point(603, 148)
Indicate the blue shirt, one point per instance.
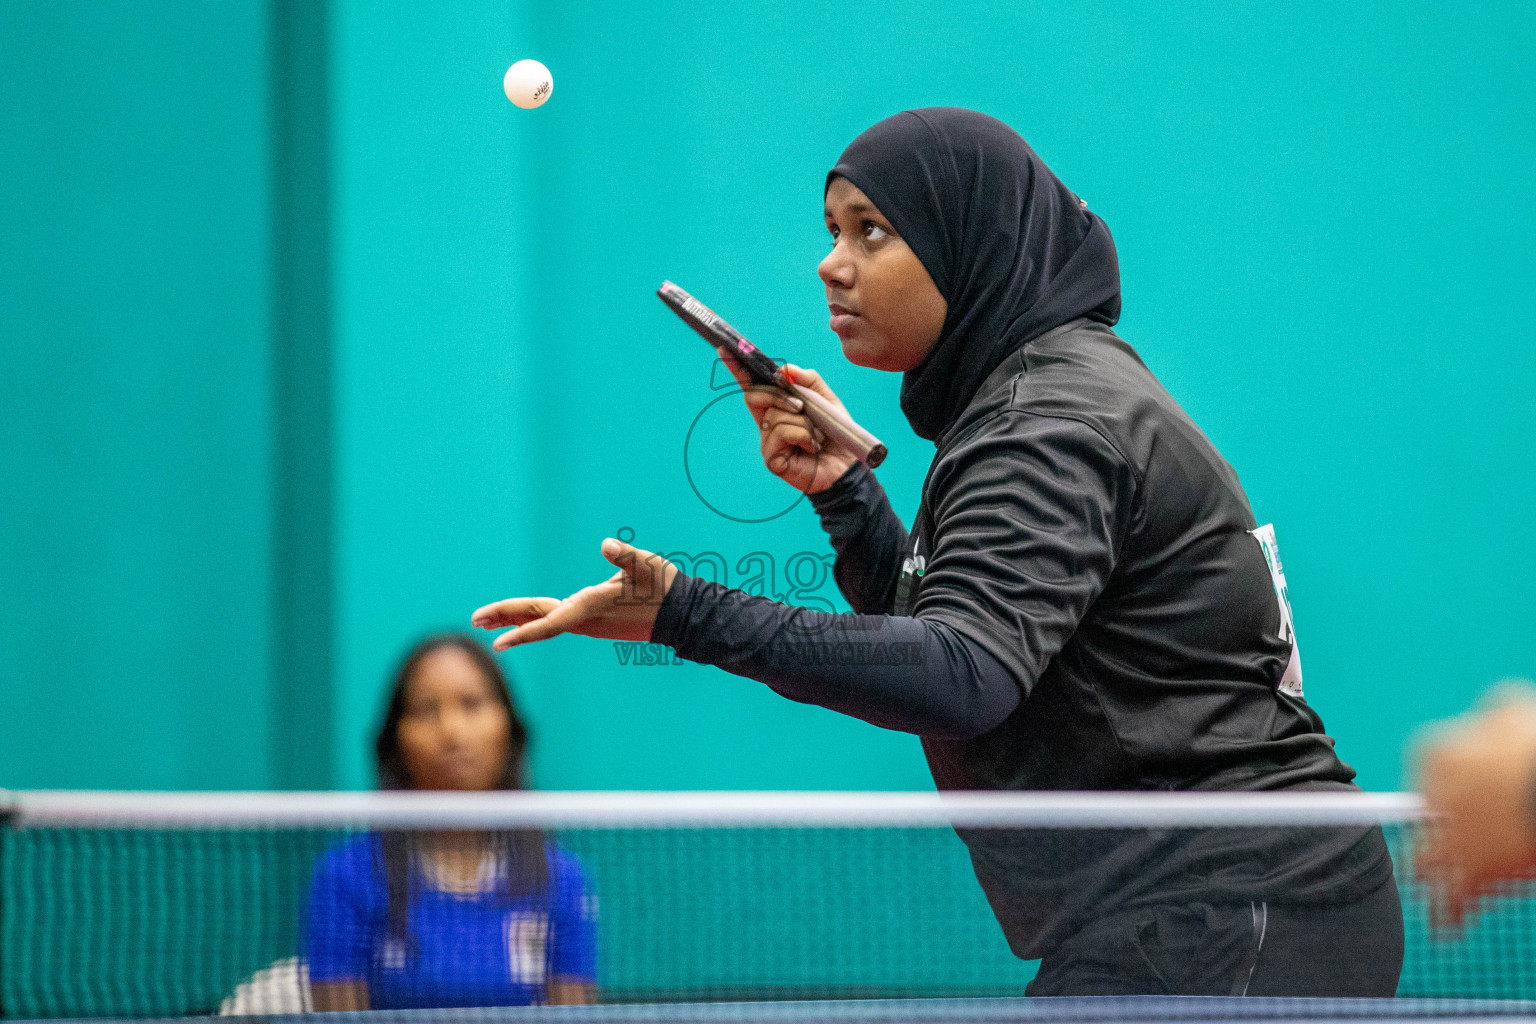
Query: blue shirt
point(475, 949)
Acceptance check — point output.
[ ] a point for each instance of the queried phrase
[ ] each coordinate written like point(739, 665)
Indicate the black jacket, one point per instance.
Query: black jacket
point(1093, 611)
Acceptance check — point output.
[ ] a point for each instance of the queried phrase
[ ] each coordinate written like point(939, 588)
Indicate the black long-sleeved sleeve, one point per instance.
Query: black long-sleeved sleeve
point(1027, 515)
point(867, 536)
point(896, 672)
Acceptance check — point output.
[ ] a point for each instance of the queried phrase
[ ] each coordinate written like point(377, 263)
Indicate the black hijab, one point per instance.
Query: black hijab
point(1011, 249)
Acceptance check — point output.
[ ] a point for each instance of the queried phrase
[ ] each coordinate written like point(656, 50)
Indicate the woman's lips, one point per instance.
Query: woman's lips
point(460, 764)
point(842, 319)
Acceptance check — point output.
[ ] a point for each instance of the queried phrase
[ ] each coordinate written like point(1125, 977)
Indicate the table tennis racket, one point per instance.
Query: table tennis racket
point(834, 422)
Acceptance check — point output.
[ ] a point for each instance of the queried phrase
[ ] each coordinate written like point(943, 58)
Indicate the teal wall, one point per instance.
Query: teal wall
point(434, 245)
point(135, 395)
point(1325, 218)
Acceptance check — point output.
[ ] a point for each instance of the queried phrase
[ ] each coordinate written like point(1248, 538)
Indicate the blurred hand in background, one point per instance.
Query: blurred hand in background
point(1478, 776)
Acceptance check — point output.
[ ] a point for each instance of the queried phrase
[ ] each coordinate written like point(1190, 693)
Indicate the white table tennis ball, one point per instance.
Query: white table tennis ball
point(528, 84)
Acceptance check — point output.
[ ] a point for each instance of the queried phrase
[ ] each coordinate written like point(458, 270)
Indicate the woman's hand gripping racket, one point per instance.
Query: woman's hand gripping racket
point(794, 449)
point(809, 440)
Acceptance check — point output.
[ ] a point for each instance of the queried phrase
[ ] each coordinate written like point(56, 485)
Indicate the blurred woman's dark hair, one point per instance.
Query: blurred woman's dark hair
point(522, 851)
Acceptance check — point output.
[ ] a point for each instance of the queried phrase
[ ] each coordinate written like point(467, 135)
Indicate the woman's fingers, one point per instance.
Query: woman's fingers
point(810, 379)
point(649, 573)
point(512, 612)
point(789, 434)
point(1476, 774)
point(798, 429)
point(761, 400)
point(786, 451)
point(758, 396)
point(1437, 864)
point(622, 607)
point(559, 619)
point(764, 396)
point(737, 370)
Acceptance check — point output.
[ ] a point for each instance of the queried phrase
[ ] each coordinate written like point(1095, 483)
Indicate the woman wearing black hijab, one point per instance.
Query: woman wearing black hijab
point(1085, 601)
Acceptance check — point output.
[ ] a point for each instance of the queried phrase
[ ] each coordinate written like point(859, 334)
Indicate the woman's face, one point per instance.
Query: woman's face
point(454, 732)
point(885, 308)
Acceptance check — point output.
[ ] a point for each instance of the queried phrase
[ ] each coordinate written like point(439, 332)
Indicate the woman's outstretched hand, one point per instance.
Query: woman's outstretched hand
point(1478, 777)
point(623, 607)
point(794, 449)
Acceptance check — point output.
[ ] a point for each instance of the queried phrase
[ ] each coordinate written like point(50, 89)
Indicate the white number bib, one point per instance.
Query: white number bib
point(1290, 682)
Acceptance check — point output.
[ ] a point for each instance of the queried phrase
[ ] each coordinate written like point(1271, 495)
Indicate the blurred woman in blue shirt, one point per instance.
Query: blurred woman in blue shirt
point(444, 919)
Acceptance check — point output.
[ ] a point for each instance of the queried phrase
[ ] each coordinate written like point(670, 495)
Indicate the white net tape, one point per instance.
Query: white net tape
point(424, 810)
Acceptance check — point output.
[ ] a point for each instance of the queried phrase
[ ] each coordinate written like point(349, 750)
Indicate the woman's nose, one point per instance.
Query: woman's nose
point(451, 726)
point(836, 268)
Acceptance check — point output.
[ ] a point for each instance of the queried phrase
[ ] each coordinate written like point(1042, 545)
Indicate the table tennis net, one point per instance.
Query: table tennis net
point(144, 905)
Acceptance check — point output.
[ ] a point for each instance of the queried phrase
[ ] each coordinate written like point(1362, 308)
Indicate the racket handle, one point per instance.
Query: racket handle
point(840, 428)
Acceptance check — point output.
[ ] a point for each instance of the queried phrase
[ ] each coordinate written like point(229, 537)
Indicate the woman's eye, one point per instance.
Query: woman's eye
point(874, 232)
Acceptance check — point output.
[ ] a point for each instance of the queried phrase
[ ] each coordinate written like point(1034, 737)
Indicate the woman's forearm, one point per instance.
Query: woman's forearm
point(908, 674)
point(867, 536)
